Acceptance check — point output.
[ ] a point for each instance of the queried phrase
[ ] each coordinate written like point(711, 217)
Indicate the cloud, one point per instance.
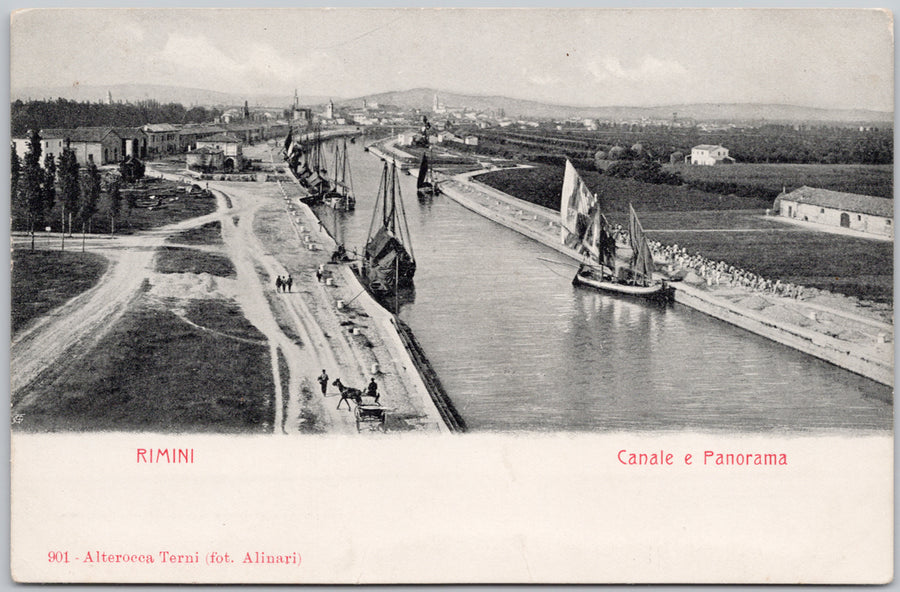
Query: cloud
point(647, 70)
point(246, 66)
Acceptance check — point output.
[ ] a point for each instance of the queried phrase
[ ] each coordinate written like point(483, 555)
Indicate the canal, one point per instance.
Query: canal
point(517, 347)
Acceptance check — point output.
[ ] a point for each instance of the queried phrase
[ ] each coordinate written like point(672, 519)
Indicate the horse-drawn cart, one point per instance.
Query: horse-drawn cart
point(370, 414)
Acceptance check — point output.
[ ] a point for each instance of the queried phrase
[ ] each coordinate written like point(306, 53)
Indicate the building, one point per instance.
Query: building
point(709, 154)
point(231, 147)
point(206, 160)
point(98, 145)
point(188, 135)
point(134, 141)
point(52, 146)
point(863, 213)
point(162, 138)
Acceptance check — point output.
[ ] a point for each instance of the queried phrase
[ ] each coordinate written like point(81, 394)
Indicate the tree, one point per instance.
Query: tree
point(90, 196)
point(15, 168)
point(69, 186)
point(114, 203)
point(49, 185)
point(32, 193)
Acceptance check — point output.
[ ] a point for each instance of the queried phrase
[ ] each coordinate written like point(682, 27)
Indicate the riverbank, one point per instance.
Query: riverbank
point(346, 308)
point(829, 327)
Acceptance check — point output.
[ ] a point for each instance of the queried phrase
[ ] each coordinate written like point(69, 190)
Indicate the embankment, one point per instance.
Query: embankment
point(538, 224)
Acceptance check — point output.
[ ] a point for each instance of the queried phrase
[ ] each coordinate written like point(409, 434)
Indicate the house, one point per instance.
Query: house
point(134, 141)
point(709, 154)
point(162, 138)
point(206, 159)
point(405, 138)
point(231, 147)
point(863, 213)
point(52, 146)
point(98, 145)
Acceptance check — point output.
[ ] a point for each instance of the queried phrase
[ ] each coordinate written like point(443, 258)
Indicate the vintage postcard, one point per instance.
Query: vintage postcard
point(452, 295)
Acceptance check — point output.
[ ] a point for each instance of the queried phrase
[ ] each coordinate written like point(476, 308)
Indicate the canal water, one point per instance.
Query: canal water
point(518, 347)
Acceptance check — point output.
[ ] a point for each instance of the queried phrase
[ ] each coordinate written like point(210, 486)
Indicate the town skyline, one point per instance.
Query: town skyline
point(831, 59)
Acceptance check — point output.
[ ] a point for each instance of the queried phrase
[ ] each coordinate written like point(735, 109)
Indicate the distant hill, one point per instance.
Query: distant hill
point(161, 93)
point(422, 98)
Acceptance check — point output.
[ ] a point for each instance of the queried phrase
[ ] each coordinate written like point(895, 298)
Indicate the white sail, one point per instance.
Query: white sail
point(578, 207)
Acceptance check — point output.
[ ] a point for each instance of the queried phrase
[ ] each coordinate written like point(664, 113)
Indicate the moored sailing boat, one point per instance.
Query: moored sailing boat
point(388, 261)
point(426, 186)
point(586, 230)
point(340, 195)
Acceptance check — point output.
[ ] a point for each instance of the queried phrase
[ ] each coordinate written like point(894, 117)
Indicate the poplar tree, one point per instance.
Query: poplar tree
point(90, 196)
point(15, 169)
point(114, 203)
point(32, 194)
point(69, 187)
point(49, 186)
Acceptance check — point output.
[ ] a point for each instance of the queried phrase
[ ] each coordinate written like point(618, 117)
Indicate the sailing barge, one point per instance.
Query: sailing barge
point(388, 261)
point(586, 230)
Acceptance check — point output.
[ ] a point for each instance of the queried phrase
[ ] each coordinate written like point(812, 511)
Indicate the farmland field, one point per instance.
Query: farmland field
point(730, 229)
point(877, 180)
point(542, 185)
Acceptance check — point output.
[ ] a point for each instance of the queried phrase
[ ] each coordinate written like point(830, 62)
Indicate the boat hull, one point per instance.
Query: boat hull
point(654, 290)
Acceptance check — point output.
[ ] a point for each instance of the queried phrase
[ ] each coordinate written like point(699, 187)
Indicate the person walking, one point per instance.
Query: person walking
point(278, 284)
point(318, 275)
point(372, 391)
point(290, 282)
point(323, 381)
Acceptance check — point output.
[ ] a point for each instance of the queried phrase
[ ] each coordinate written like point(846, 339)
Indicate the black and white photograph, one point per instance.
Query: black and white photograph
point(462, 295)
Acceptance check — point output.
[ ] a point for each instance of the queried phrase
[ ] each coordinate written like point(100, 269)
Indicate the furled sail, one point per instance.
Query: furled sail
point(422, 181)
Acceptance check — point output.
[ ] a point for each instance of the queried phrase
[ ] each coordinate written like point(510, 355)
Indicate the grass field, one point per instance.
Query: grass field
point(847, 265)
point(42, 280)
point(154, 372)
point(877, 180)
point(852, 266)
point(542, 185)
point(180, 260)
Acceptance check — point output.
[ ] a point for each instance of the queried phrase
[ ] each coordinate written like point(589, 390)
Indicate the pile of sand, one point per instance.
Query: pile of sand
point(754, 302)
point(191, 286)
point(786, 315)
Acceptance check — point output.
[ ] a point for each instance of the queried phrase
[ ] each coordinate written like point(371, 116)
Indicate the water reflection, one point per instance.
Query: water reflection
point(517, 347)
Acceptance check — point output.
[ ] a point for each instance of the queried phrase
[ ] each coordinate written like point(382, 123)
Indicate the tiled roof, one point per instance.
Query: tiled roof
point(707, 147)
point(227, 138)
point(128, 133)
point(851, 202)
point(160, 127)
point(78, 134)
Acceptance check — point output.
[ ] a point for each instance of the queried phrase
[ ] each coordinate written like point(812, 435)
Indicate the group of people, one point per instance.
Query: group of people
point(283, 284)
point(716, 273)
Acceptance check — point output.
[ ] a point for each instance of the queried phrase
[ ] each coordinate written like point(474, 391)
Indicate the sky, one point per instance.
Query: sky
point(828, 58)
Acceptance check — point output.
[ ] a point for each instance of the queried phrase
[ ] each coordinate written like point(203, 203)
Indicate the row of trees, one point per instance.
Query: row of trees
point(63, 113)
point(60, 188)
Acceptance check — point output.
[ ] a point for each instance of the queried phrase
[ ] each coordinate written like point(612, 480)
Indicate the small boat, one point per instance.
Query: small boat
point(586, 230)
point(426, 186)
point(388, 261)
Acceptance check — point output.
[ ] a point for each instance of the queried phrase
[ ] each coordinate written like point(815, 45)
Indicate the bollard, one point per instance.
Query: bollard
point(813, 316)
point(376, 368)
point(340, 304)
point(329, 282)
point(882, 338)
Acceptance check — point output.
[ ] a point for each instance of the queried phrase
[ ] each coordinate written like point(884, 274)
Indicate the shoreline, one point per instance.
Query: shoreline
point(873, 361)
point(348, 289)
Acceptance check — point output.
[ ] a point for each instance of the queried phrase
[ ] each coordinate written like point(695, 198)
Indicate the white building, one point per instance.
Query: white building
point(863, 213)
point(709, 154)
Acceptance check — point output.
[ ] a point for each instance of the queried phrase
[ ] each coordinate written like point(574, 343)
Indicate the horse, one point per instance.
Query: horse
point(348, 394)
